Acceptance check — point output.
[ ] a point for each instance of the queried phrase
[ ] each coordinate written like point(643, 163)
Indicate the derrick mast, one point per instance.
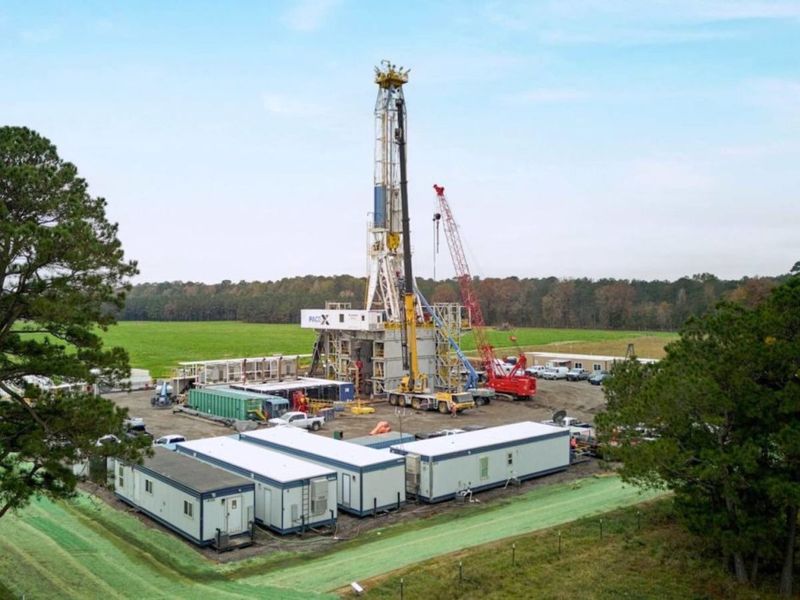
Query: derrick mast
point(386, 227)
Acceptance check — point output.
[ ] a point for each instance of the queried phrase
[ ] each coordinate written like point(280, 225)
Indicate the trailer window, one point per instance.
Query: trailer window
point(485, 467)
point(596, 367)
point(188, 509)
point(148, 486)
point(121, 477)
point(578, 365)
point(510, 458)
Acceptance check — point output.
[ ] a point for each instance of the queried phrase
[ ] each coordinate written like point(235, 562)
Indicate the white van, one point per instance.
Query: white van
point(555, 373)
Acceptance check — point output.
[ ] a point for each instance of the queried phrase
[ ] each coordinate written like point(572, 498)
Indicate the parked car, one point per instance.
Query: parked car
point(107, 440)
point(172, 438)
point(598, 377)
point(134, 427)
point(298, 419)
point(441, 433)
point(555, 373)
point(577, 374)
point(535, 370)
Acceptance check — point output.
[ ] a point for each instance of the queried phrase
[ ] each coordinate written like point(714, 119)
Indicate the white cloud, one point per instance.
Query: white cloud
point(634, 37)
point(289, 105)
point(40, 35)
point(747, 9)
point(101, 26)
point(667, 174)
point(779, 96)
point(545, 95)
point(677, 11)
point(506, 16)
point(308, 15)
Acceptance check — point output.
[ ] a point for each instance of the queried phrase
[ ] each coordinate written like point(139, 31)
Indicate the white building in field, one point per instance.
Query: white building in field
point(442, 467)
point(192, 498)
point(290, 494)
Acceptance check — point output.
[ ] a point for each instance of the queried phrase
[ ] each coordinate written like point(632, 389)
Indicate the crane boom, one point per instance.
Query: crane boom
point(516, 383)
point(409, 306)
point(468, 296)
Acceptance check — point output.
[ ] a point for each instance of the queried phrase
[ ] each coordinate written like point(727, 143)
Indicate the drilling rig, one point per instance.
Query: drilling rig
point(392, 346)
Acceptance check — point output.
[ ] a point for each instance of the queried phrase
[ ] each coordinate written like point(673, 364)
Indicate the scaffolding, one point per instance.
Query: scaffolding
point(449, 317)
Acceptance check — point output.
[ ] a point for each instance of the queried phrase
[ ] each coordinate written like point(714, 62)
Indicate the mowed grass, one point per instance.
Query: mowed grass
point(647, 344)
point(396, 547)
point(160, 345)
point(642, 554)
point(85, 549)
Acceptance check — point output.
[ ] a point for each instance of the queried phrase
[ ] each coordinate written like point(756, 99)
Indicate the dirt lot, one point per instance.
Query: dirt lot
point(579, 399)
point(161, 421)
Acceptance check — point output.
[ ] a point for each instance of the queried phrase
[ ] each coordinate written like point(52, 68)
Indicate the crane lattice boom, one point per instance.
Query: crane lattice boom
point(468, 296)
point(516, 383)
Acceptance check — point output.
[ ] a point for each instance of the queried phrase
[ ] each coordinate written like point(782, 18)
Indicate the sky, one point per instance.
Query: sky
point(590, 138)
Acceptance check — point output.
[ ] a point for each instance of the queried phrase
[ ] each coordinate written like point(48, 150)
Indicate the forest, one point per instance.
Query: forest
point(528, 302)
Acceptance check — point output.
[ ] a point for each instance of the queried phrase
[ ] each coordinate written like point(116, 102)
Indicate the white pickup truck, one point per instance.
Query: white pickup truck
point(298, 419)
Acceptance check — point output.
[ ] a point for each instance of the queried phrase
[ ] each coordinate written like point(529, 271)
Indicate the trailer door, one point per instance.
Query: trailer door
point(267, 518)
point(346, 489)
point(234, 514)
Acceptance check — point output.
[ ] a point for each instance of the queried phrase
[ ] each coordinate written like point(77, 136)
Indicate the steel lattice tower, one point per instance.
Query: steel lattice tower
point(385, 230)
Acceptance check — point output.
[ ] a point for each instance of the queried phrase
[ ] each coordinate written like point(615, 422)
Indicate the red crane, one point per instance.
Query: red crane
point(516, 383)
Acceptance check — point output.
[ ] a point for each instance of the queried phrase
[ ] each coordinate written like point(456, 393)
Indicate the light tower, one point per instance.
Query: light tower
point(385, 230)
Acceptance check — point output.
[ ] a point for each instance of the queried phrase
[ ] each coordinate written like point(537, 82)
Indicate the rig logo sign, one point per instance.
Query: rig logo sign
point(319, 320)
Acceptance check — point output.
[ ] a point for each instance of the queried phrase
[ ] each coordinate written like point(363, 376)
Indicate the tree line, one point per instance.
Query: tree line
point(527, 302)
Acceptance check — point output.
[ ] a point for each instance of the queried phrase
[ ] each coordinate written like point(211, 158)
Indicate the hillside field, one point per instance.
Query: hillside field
point(87, 549)
point(160, 345)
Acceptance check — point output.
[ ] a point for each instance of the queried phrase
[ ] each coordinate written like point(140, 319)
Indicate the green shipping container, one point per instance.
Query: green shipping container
point(225, 402)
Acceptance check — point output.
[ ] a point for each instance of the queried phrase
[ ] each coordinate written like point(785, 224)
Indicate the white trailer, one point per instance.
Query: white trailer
point(440, 468)
point(192, 498)
point(369, 480)
point(290, 494)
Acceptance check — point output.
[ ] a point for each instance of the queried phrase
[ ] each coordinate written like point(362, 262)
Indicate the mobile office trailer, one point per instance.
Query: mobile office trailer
point(190, 497)
point(381, 441)
point(369, 480)
point(290, 494)
point(440, 468)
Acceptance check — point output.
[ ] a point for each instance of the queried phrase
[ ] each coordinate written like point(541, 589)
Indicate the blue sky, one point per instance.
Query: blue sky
point(586, 138)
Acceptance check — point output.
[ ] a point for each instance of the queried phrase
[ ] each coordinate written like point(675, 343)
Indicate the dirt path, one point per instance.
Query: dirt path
point(544, 507)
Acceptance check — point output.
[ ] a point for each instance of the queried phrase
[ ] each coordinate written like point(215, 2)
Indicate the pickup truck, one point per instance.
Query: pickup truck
point(298, 419)
point(577, 374)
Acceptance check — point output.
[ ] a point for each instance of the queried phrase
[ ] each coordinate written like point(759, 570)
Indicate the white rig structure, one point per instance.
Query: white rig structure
point(367, 346)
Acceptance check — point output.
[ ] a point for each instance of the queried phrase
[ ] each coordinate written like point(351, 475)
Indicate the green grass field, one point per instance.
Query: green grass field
point(643, 553)
point(86, 549)
point(159, 346)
